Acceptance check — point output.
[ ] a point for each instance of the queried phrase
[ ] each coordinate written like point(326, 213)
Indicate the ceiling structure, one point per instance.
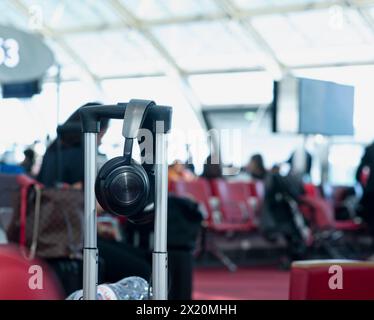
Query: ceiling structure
point(98, 40)
point(105, 39)
point(193, 41)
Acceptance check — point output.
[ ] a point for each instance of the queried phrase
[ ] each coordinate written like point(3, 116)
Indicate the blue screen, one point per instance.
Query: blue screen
point(325, 108)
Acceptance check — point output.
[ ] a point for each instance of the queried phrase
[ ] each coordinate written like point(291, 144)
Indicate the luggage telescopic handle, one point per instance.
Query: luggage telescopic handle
point(90, 120)
point(91, 116)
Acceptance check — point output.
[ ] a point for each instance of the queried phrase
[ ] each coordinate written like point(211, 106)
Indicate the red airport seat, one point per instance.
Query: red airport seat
point(198, 190)
point(311, 190)
point(235, 211)
point(332, 280)
point(237, 214)
point(215, 222)
point(19, 277)
point(256, 189)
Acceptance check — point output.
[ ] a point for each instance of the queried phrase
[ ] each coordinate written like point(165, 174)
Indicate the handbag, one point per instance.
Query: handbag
point(54, 223)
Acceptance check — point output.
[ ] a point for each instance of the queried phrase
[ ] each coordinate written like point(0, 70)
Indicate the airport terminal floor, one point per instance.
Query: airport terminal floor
point(186, 150)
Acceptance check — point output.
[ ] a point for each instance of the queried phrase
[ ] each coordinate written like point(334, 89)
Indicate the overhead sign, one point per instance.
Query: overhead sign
point(23, 56)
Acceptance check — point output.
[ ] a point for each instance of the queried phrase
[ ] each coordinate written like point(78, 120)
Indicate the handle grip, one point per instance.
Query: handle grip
point(91, 116)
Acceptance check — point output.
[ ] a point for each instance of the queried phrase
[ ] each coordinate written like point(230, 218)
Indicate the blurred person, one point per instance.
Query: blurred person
point(67, 153)
point(276, 216)
point(276, 169)
point(280, 216)
point(28, 163)
point(120, 259)
point(366, 205)
point(256, 167)
point(301, 163)
point(189, 163)
point(211, 170)
point(178, 171)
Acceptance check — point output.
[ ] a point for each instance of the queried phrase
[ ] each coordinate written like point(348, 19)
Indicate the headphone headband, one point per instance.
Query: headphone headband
point(135, 113)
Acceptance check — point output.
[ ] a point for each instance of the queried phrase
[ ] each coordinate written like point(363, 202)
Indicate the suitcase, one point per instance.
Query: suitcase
point(184, 224)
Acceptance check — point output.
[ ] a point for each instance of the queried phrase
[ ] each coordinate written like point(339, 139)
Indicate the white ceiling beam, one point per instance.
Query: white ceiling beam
point(241, 14)
point(225, 71)
point(364, 14)
point(333, 65)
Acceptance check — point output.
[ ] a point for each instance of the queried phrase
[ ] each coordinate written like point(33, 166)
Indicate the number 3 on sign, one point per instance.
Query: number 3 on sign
point(9, 52)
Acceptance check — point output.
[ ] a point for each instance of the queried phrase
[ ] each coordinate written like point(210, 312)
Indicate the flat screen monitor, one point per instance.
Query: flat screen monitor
point(308, 106)
point(21, 90)
point(325, 108)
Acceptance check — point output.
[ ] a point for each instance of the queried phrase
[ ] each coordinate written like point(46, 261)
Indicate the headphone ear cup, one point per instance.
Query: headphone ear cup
point(141, 216)
point(138, 213)
point(100, 196)
point(100, 182)
point(122, 189)
point(109, 166)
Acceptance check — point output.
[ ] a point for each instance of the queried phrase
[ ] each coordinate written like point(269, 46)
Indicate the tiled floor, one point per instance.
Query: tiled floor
point(244, 284)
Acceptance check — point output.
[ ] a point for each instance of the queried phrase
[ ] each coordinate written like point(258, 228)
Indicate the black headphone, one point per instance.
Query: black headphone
point(123, 186)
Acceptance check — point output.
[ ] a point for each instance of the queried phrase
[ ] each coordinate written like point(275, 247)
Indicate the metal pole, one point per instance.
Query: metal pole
point(58, 139)
point(58, 94)
point(90, 253)
point(160, 265)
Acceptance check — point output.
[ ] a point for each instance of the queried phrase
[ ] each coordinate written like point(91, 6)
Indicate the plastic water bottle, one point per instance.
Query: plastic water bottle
point(131, 288)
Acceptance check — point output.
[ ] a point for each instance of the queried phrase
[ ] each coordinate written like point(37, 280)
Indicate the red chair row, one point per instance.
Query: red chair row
point(321, 212)
point(235, 206)
point(229, 207)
